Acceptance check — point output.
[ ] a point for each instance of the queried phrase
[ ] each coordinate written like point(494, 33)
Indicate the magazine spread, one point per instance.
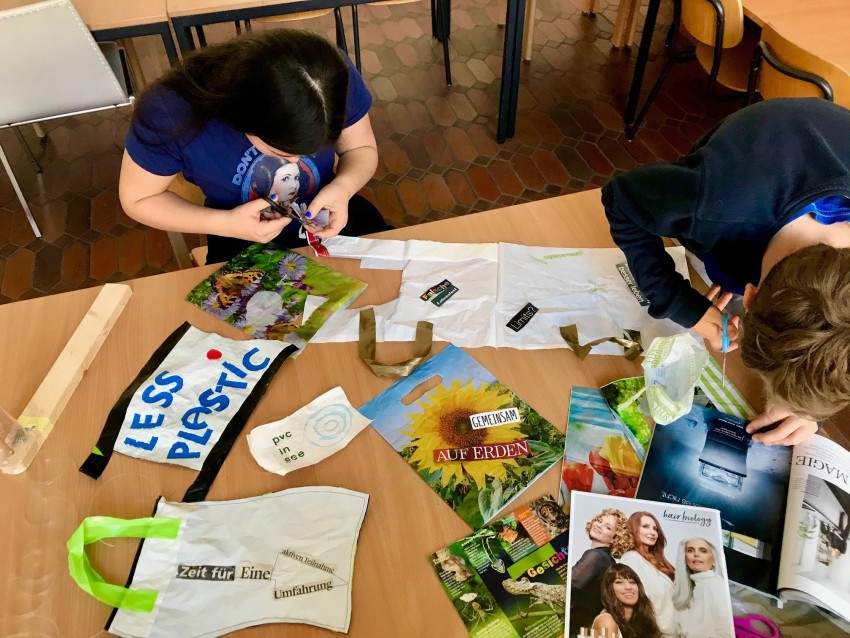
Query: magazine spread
point(643, 568)
point(508, 579)
point(815, 564)
point(598, 455)
point(468, 436)
point(706, 458)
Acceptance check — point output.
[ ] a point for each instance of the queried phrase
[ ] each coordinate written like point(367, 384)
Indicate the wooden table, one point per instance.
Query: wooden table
point(186, 14)
point(117, 19)
point(821, 27)
point(396, 593)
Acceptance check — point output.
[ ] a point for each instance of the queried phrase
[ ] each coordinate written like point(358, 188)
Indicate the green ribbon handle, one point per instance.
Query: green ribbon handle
point(97, 528)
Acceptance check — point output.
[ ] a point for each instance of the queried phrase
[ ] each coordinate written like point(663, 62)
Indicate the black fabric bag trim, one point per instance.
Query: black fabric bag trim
point(209, 470)
point(94, 465)
point(129, 582)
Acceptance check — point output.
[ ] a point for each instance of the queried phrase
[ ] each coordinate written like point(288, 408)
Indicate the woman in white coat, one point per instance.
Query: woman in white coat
point(654, 570)
point(701, 592)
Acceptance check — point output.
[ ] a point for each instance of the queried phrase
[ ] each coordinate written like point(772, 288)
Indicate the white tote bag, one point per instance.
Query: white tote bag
point(206, 569)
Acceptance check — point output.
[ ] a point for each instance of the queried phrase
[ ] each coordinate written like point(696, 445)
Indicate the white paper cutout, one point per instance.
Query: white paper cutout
point(313, 433)
point(579, 286)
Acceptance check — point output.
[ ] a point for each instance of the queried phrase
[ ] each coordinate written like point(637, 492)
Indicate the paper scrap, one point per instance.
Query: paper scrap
point(318, 430)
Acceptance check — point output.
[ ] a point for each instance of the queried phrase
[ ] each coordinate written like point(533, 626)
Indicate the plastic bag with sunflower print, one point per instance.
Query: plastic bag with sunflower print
point(469, 437)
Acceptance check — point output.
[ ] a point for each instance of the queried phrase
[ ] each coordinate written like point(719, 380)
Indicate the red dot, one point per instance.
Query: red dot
point(213, 354)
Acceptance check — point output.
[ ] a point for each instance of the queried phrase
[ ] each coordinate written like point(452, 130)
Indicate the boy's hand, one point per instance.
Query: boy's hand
point(790, 429)
point(710, 327)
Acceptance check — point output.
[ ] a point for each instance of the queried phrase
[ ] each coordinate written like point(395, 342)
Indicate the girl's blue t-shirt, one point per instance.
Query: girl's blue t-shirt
point(223, 163)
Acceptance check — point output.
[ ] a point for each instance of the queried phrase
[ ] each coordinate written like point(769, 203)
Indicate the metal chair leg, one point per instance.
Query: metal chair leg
point(19, 193)
point(441, 23)
point(675, 57)
point(39, 131)
point(356, 26)
point(30, 154)
point(202, 38)
point(340, 31)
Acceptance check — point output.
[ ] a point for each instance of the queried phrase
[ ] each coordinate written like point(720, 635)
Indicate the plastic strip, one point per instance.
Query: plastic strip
point(96, 528)
point(630, 342)
point(366, 347)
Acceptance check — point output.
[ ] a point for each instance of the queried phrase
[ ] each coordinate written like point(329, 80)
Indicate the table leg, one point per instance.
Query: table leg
point(168, 43)
point(640, 63)
point(508, 92)
point(183, 33)
point(135, 64)
point(202, 38)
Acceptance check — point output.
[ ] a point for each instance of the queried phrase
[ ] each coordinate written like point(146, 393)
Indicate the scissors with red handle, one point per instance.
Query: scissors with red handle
point(756, 626)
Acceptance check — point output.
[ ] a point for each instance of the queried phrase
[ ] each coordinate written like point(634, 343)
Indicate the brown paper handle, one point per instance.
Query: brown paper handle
point(366, 347)
point(630, 341)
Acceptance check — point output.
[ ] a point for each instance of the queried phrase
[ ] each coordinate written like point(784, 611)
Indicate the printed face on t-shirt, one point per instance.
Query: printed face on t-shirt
point(287, 180)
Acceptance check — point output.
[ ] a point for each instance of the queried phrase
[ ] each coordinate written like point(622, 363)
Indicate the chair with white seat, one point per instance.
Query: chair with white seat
point(52, 67)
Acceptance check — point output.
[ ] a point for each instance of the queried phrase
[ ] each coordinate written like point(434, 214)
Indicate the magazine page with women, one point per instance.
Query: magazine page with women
point(643, 569)
point(815, 562)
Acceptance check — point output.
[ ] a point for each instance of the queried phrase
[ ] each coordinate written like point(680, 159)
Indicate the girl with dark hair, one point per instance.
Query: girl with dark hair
point(265, 114)
point(656, 573)
point(609, 537)
point(627, 611)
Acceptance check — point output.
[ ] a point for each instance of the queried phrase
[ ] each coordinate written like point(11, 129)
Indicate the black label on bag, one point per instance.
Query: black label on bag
point(626, 274)
point(206, 572)
point(520, 319)
point(439, 294)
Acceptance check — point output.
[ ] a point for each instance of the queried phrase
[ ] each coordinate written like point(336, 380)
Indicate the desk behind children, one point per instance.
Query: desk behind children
point(45, 504)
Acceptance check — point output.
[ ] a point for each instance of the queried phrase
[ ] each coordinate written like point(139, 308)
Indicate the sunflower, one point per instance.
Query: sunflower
point(444, 424)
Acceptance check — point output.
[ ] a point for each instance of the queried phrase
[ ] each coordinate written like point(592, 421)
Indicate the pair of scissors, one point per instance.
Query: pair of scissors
point(280, 210)
point(724, 344)
point(756, 626)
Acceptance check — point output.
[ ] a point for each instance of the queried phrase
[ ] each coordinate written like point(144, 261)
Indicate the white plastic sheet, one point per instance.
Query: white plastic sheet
point(496, 282)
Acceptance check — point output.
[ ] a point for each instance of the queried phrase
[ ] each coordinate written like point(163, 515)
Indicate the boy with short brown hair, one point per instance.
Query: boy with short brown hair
point(763, 199)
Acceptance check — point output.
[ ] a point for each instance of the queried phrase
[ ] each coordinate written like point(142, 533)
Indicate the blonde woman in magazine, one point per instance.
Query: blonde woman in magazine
point(701, 593)
point(656, 573)
point(609, 537)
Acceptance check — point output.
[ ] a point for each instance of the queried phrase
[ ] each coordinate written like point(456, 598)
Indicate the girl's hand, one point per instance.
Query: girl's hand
point(710, 327)
point(333, 199)
point(246, 222)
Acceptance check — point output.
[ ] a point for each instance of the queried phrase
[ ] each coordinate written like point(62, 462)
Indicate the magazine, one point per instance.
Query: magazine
point(598, 455)
point(706, 458)
point(815, 562)
point(468, 436)
point(645, 568)
point(508, 579)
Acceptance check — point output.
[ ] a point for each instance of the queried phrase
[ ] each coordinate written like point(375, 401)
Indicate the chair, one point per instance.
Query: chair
point(794, 72)
point(52, 67)
point(723, 47)
point(341, 41)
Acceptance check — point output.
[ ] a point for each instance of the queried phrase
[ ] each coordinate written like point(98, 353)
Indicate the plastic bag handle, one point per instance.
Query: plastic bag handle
point(96, 528)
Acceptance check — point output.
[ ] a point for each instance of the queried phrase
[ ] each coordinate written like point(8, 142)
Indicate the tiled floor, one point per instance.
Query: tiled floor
point(438, 155)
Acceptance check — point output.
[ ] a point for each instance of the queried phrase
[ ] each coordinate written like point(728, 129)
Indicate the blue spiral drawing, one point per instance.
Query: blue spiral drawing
point(329, 425)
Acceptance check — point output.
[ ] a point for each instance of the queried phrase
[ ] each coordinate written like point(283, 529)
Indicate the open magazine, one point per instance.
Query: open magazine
point(641, 568)
point(706, 458)
point(815, 563)
point(508, 579)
